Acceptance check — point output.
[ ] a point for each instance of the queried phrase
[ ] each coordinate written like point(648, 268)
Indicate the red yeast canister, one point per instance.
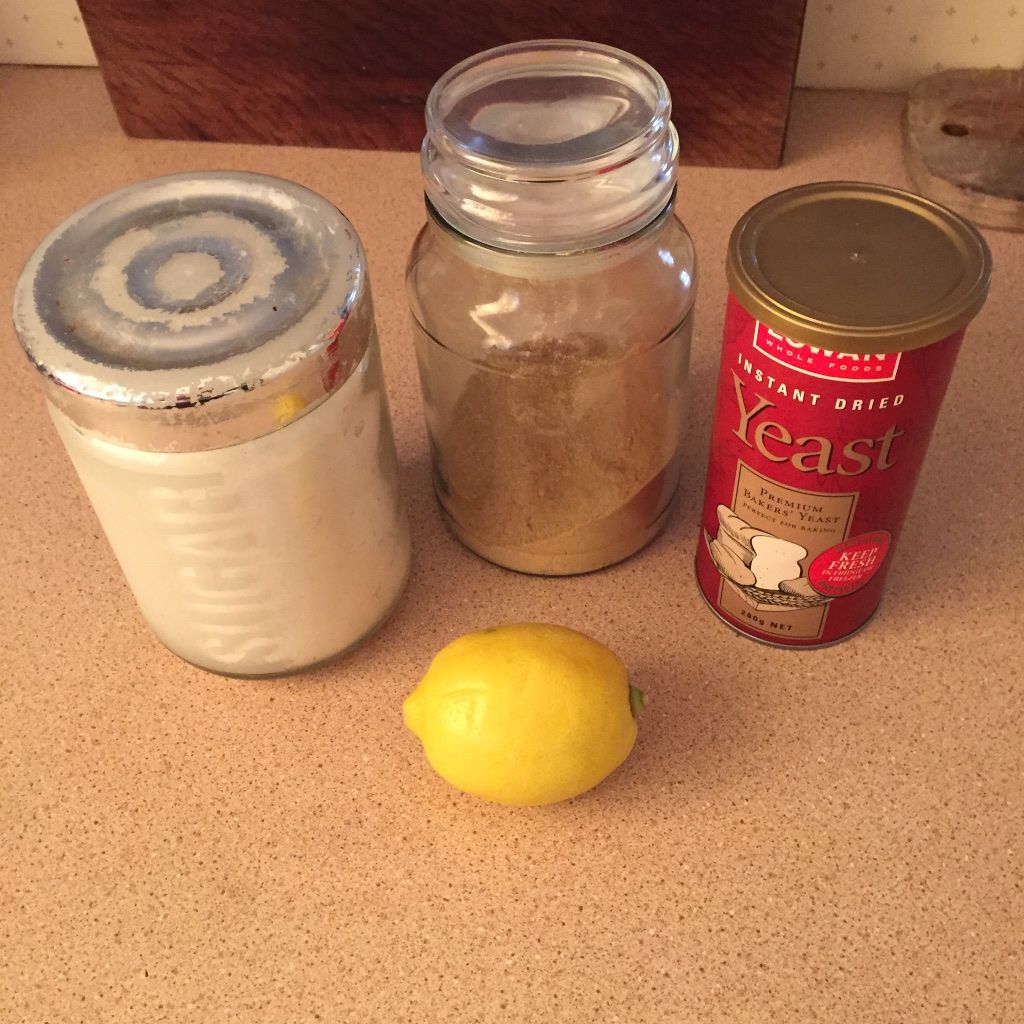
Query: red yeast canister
point(847, 306)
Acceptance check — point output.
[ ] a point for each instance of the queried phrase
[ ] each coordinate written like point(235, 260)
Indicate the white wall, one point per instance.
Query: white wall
point(848, 44)
point(890, 44)
point(43, 32)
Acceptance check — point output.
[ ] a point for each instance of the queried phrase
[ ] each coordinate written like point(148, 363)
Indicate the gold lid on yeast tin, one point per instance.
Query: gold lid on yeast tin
point(858, 267)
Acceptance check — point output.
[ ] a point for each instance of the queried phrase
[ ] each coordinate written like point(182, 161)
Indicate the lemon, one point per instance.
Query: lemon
point(524, 714)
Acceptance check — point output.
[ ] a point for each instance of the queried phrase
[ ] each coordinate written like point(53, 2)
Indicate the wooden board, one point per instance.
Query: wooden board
point(355, 73)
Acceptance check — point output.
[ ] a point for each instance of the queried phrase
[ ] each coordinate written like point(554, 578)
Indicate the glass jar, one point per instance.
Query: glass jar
point(552, 289)
point(212, 368)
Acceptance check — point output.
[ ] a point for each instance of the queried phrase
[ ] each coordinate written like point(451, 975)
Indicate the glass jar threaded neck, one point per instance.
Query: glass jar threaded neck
point(549, 146)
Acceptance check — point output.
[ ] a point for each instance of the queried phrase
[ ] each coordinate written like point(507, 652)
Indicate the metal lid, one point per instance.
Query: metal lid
point(858, 267)
point(195, 311)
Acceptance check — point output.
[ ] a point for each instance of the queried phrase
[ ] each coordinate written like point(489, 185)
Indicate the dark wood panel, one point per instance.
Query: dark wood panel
point(355, 73)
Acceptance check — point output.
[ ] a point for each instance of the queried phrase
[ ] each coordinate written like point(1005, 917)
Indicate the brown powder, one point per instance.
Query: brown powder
point(560, 456)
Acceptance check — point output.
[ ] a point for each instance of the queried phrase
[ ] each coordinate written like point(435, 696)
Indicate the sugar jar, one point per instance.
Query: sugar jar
point(208, 351)
point(551, 291)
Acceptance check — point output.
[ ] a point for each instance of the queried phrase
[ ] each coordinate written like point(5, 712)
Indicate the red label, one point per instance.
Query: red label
point(846, 567)
point(823, 363)
point(814, 457)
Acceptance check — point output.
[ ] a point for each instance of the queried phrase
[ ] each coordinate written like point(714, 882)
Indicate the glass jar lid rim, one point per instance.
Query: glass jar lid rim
point(549, 146)
point(518, 60)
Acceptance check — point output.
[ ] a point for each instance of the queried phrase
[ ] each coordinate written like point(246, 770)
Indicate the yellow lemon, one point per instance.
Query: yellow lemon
point(524, 714)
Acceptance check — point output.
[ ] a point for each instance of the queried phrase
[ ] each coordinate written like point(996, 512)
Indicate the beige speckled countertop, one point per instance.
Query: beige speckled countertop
point(830, 836)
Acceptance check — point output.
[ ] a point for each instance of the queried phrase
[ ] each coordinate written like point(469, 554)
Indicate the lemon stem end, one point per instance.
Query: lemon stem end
point(637, 700)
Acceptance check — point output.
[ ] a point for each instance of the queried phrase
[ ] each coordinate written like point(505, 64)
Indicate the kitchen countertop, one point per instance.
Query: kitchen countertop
point(828, 836)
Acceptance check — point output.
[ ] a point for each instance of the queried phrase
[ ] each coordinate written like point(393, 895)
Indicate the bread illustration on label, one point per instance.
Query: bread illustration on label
point(799, 588)
point(731, 564)
point(763, 568)
point(775, 560)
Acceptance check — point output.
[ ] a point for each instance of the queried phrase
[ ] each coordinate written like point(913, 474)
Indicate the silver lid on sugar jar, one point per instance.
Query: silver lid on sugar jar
point(196, 311)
